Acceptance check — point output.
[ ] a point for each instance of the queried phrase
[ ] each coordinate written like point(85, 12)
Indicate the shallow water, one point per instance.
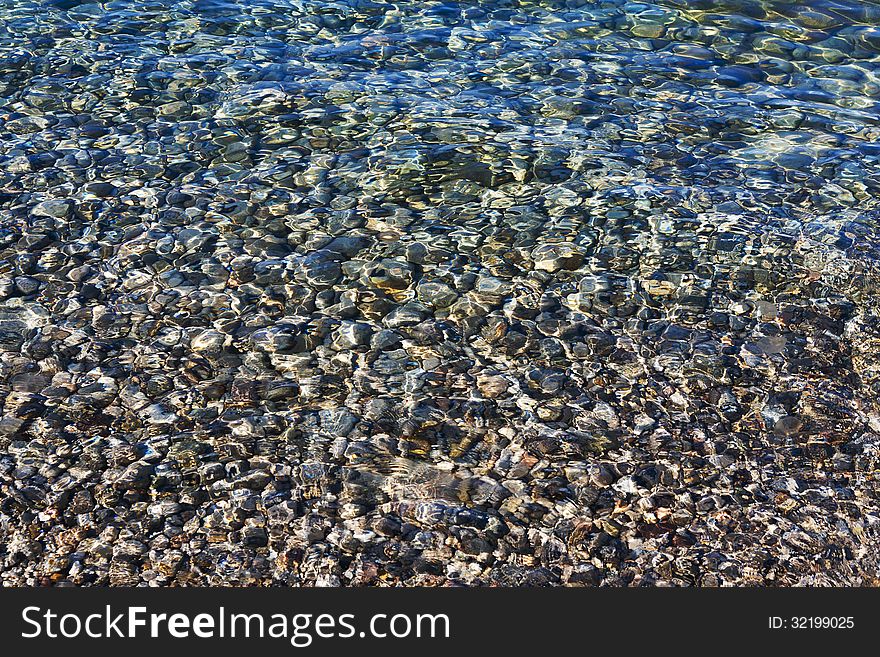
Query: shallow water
point(427, 292)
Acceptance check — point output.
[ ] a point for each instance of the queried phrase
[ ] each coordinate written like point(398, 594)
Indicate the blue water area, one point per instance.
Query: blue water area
point(428, 293)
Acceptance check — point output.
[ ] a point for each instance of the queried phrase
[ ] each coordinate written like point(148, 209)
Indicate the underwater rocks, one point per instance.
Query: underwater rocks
point(514, 294)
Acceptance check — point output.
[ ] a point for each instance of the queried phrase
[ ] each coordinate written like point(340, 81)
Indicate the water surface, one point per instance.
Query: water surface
point(366, 293)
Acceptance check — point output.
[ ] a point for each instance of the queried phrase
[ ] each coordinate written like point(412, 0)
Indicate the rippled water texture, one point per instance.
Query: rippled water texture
point(515, 293)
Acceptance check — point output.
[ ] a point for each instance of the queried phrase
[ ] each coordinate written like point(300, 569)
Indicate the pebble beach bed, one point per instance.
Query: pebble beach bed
point(439, 293)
